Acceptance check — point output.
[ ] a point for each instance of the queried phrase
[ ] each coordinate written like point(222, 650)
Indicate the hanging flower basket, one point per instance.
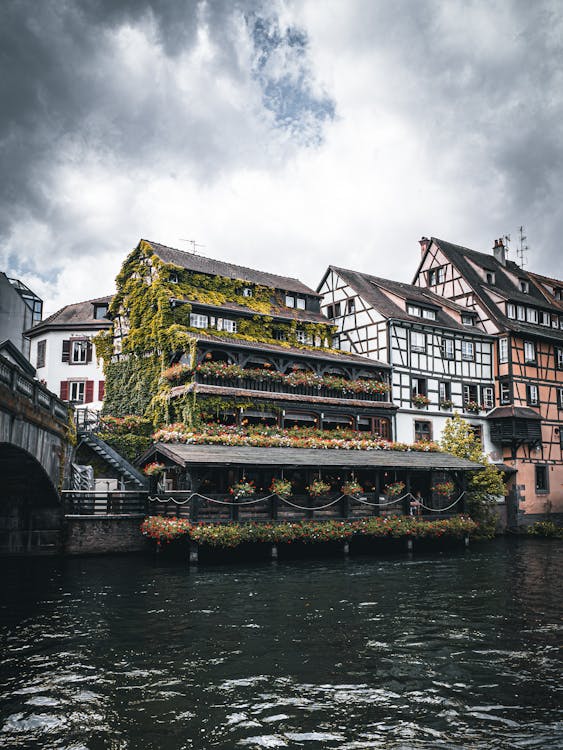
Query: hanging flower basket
point(445, 489)
point(352, 488)
point(154, 469)
point(394, 489)
point(281, 487)
point(420, 401)
point(318, 488)
point(242, 489)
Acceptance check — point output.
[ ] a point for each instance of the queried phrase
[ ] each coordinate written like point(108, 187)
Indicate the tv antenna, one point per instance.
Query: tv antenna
point(522, 248)
point(194, 244)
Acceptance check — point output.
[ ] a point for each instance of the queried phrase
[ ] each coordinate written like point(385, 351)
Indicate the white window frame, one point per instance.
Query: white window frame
point(247, 291)
point(79, 351)
point(503, 351)
point(505, 392)
point(488, 397)
point(421, 345)
point(41, 358)
point(511, 311)
point(227, 324)
point(559, 357)
point(80, 387)
point(468, 351)
point(197, 320)
point(448, 348)
point(300, 303)
point(545, 318)
point(520, 312)
point(560, 398)
point(531, 315)
point(289, 300)
point(429, 314)
point(303, 337)
point(529, 351)
point(534, 394)
point(414, 310)
point(467, 319)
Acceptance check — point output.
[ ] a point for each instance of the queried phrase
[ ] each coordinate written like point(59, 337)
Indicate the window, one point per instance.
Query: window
point(505, 392)
point(448, 348)
point(529, 351)
point(300, 303)
point(444, 390)
point(531, 315)
point(227, 325)
point(558, 293)
point(280, 334)
point(477, 430)
point(555, 321)
point(429, 314)
point(100, 311)
point(329, 311)
point(488, 397)
point(41, 352)
point(558, 357)
point(76, 391)
point(303, 337)
point(436, 276)
point(521, 312)
point(542, 479)
point(545, 319)
point(470, 394)
point(560, 400)
point(502, 351)
point(337, 309)
point(524, 286)
point(80, 352)
point(351, 305)
point(467, 319)
point(173, 277)
point(418, 341)
point(418, 387)
point(490, 278)
point(511, 310)
point(247, 292)
point(422, 431)
point(467, 350)
point(532, 396)
point(413, 310)
point(289, 300)
point(198, 321)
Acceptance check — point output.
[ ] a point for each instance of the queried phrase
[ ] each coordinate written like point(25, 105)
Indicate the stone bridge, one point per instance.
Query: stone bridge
point(35, 460)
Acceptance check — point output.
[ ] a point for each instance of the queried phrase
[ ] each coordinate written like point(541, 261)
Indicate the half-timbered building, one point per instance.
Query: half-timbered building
point(441, 360)
point(524, 312)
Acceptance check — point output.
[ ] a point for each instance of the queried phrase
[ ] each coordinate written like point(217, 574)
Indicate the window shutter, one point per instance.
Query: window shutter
point(66, 351)
point(101, 390)
point(64, 390)
point(89, 351)
point(89, 392)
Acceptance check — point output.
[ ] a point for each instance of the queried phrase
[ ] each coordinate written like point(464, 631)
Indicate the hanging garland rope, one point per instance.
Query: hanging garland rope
point(231, 504)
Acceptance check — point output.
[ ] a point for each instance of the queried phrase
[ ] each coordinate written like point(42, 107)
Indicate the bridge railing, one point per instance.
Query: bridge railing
point(24, 385)
point(104, 503)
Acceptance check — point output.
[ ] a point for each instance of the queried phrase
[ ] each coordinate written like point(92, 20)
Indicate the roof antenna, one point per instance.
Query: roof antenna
point(194, 244)
point(522, 248)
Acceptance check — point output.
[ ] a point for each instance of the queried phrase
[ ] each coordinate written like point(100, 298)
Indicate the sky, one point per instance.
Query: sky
point(284, 135)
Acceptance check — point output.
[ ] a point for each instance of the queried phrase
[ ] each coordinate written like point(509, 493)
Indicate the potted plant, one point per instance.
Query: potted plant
point(241, 489)
point(420, 400)
point(318, 488)
point(352, 488)
point(472, 406)
point(445, 489)
point(446, 403)
point(154, 469)
point(394, 489)
point(281, 487)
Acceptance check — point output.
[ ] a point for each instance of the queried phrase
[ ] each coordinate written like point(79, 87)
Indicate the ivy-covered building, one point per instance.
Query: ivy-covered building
point(199, 340)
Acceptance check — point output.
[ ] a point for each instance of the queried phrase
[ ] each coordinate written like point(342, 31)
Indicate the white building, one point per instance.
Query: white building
point(65, 356)
point(442, 362)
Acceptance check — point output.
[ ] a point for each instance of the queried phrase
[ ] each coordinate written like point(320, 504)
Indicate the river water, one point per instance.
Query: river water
point(441, 651)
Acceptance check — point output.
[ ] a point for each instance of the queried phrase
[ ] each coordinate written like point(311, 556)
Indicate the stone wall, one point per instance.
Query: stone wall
point(92, 535)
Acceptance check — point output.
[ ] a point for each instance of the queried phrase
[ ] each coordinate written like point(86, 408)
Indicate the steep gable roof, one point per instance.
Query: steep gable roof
point(76, 315)
point(212, 267)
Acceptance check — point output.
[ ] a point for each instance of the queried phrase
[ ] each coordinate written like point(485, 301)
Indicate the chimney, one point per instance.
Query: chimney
point(424, 245)
point(499, 251)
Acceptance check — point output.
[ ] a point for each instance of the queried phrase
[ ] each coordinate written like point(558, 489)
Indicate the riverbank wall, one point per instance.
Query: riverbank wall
point(96, 535)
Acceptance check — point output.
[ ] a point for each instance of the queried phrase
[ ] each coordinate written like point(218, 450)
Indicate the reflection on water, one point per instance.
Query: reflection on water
point(456, 651)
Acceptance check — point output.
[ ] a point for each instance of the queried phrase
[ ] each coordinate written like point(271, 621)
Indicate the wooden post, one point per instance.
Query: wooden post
point(406, 501)
point(345, 506)
point(274, 503)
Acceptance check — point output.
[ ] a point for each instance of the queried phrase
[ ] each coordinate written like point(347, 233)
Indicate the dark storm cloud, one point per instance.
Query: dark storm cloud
point(65, 96)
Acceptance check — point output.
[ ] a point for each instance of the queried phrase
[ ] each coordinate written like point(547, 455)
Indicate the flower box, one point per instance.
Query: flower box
point(352, 489)
point(420, 401)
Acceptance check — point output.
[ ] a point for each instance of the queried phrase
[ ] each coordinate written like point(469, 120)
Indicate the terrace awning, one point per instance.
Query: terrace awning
point(228, 455)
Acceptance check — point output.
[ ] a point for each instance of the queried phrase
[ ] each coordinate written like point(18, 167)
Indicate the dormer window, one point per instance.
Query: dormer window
point(100, 311)
point(531, 315)
point(429, 314)
point(467, 319)
point(524, 286)
point(300, 303)
point(490, 277)
point(413, 310)
point(247, 292)
point(558, 293)
point(289, 300)
point(173, 277)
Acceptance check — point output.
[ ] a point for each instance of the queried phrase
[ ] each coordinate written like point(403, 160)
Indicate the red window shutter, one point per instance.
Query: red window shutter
point(66, 351)
point(89, 392)
point(101, 390)
point(89, 351)
point(64, 390)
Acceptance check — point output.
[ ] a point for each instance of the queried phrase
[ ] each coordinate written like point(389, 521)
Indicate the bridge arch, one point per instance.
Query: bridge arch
point(30, 507)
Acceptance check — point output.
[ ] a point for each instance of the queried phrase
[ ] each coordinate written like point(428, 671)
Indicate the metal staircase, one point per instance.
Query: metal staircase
point(129, 473)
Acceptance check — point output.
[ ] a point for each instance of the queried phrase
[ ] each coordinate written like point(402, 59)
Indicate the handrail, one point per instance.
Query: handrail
point(31, 389)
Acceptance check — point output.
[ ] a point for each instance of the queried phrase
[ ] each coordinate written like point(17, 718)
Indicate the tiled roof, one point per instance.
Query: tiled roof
point(372, 290)
point(329, 355)
point(79, 314)
point(518, 412)
point(229, 455)
point(200, 264)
